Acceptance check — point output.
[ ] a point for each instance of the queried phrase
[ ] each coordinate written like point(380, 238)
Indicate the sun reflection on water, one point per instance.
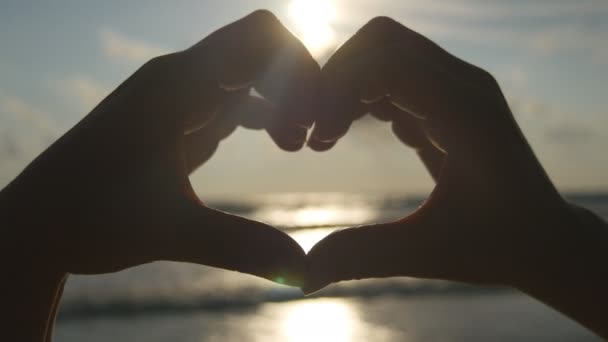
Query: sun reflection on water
point(315, 216)
point(318, 320)
point(323, 217)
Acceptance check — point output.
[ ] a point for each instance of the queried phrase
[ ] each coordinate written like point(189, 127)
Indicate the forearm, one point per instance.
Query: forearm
point(50, 327)
point(575, 279)
point(28, 303)
point(30, 286)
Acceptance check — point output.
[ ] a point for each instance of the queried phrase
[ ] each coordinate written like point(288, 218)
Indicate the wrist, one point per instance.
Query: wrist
point(564, 247)
point(27, 244)
point(572, 277)
point(30, 287)
point(31, 295)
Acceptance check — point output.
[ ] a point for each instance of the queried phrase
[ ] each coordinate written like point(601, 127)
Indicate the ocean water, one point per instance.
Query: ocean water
point(182, 302)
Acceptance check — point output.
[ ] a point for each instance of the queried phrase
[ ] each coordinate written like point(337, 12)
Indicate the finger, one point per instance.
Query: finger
point(340, 105)
point(171, 94)
point(214, 238)
point(259, 51)
point(201, 144)
point(320, 146)
point(433, 159)
point(383, 31)
point(454, 116)
point(287, 136)
point(416, 90)
point(258, 113)
point(247, 111)
point(449, 111)
point(408, 247)
point(409, 130)
point(199, 147)
point(373, 89)
point(255, 113)
point(384, 110)
point(422, 78)
point(347, 88)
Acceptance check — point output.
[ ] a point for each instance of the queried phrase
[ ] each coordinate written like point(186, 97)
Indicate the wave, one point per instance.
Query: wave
point(244, 300)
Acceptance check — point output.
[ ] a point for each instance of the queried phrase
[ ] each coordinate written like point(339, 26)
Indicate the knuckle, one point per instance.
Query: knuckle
point(161, 69)
point(263, 17)
point(486, 78)
point(382, 23)
point(161, 62)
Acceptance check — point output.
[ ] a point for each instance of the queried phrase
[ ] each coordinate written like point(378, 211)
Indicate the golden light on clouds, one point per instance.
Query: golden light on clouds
point(311, 20)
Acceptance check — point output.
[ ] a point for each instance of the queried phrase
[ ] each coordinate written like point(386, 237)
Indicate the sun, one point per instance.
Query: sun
point(312, 21)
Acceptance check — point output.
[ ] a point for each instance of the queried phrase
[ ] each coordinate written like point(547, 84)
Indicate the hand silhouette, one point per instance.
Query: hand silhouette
point(114, 192)
point(493, 206)
point(494, 216)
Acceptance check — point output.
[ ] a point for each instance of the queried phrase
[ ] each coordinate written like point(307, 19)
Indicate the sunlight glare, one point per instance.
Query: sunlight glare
point(315, 216)
point(307, 238)
point(312, 21)
point(330, 320)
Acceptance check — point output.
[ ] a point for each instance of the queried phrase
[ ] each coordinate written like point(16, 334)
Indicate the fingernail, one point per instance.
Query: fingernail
point(319, 137)
point(292, 146)
point(320, 146)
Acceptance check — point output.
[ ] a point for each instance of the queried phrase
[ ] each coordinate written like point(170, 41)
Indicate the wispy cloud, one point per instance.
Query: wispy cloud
point(570, 134)
point(491, 10)
point(86, 91)
point(545, 27)
point(118, 47)
point(17, 111)
point(26, 131)
point(472, 9)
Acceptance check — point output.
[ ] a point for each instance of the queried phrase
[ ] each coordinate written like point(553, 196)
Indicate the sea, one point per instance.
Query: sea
point(179, 302)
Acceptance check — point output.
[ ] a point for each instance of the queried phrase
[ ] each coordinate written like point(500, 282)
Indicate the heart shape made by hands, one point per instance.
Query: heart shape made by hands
point(130, 159)
point(455, 117)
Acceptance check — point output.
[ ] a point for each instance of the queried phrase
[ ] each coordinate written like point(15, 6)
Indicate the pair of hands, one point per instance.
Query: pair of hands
point(114, 193)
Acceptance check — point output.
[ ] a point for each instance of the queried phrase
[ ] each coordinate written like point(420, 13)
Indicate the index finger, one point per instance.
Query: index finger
point(343, 88)
point(259, 51)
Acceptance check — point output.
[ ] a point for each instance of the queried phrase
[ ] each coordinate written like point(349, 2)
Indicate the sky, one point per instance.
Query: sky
point(58, 59)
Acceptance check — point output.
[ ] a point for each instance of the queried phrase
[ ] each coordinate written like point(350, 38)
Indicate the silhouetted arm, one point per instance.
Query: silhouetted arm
point(29, 287)
point(574, 279)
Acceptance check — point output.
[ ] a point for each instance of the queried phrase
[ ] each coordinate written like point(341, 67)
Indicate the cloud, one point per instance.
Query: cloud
point(568, 134)
point(118, 47)
point(25, 132)
point(83, 89)
point(549, 125)
point(544, 27)
point(474, 9)
point(19, 112)
point(502, 9)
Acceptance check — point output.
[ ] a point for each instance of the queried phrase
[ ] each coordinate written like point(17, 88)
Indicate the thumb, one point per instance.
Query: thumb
point(210, 237)
point(401, 248)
